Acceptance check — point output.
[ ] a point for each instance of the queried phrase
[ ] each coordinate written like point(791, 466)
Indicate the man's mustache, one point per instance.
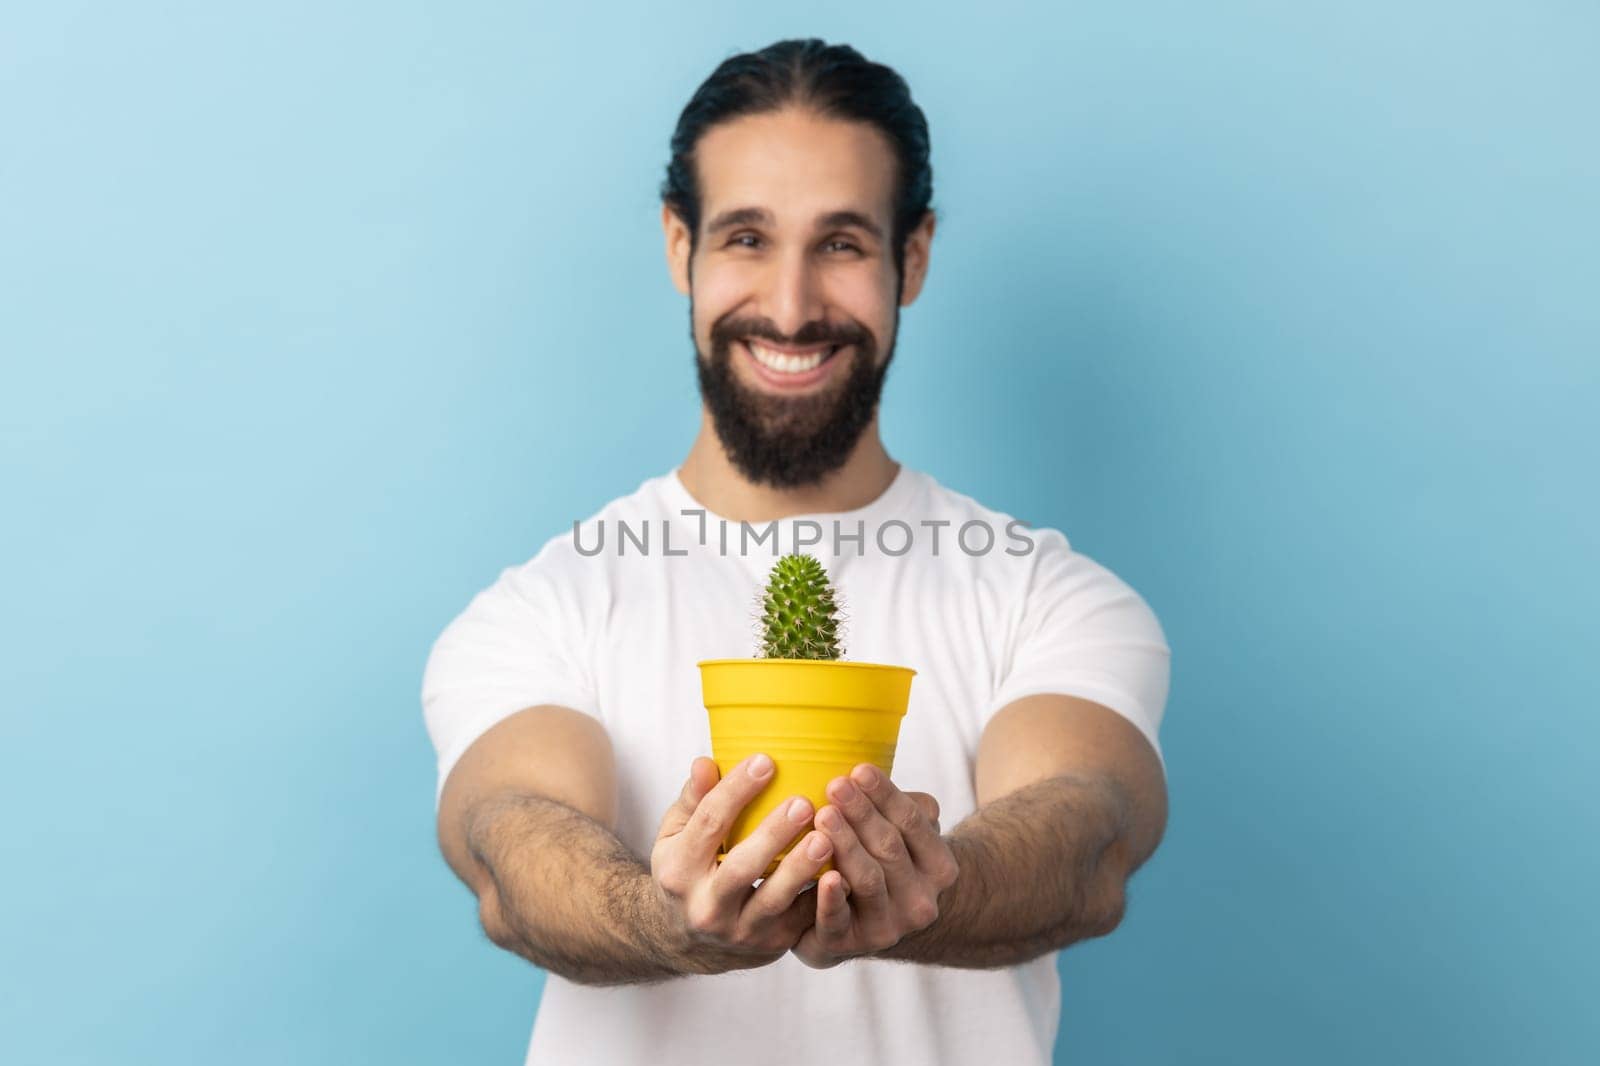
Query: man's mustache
point(727, 333)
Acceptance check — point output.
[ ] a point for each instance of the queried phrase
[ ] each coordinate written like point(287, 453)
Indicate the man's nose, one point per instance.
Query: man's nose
point(794, 295)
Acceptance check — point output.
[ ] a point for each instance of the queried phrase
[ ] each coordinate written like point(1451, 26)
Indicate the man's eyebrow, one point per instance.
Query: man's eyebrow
point(750, 216)
point(739, 216)
point(835, 219)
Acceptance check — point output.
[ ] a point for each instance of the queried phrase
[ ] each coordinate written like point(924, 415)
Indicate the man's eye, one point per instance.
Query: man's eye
point(750, 240)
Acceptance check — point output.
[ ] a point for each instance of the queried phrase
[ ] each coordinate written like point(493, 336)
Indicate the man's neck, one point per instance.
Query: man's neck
point(719, 486)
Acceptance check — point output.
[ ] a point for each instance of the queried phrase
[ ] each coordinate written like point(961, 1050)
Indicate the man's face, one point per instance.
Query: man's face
point(792, 300)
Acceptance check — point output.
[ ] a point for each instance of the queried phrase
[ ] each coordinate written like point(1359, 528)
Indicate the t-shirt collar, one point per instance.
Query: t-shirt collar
point(888, 503)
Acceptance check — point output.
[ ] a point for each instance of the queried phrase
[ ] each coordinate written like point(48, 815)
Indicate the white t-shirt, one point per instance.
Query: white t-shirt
point(1002, 612)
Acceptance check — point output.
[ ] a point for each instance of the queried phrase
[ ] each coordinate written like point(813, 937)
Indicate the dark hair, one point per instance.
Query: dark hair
point(835, 81)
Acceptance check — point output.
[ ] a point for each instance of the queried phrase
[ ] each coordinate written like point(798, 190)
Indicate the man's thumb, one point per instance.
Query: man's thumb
point(703, 777)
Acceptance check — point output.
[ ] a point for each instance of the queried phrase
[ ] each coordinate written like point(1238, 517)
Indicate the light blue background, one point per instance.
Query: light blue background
point(314, 318)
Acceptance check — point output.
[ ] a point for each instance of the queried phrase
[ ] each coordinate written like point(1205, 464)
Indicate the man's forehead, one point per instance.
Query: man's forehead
point(794, 168)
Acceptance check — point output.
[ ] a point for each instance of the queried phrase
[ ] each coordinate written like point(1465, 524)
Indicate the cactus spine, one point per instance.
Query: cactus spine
point(799, 618)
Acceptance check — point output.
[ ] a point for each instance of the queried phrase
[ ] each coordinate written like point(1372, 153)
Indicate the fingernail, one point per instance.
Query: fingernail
point(868, 776)
point(818, 848)
point(760, 766)
point(799, 810)
point(845, 792)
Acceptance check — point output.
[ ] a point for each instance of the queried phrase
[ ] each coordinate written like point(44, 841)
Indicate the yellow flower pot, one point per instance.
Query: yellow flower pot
point(817, 718)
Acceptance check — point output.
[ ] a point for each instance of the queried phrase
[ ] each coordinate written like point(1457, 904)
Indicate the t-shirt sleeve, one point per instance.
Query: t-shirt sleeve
point(1084, 632)
point(514, 646)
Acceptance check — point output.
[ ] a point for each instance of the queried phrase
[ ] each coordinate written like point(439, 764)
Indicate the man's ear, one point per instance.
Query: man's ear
point(918, 243)
point(678, 250)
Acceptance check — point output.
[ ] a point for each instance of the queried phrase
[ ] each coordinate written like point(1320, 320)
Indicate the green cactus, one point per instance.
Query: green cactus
point(799, 615)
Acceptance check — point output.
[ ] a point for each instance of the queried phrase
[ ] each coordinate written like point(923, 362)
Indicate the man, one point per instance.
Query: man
point(564, 701)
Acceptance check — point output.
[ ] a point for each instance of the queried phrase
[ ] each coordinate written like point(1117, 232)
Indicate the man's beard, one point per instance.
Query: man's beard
point(790, 441)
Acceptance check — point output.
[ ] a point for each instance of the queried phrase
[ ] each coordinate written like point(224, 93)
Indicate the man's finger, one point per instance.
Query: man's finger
point(868, 886)
point(800, 918)
point(747, 859)
point(902, 811)
point(881, 838)
point(928, 805)
point(798, 869)
point(827, 939)
point(714, 816)
point(833, 911)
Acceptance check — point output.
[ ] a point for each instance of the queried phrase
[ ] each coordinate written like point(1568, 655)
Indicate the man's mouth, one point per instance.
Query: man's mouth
point(790, 367)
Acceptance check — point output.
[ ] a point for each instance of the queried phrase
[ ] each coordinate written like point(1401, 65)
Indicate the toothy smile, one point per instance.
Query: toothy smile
point(786, 362)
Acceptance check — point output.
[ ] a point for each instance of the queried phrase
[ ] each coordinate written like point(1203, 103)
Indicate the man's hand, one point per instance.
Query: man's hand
point(892, 864)
point(718, 921)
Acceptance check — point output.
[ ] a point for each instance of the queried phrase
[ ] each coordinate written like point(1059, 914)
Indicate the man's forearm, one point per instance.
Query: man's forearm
point(568, 896)
point(1041, 868)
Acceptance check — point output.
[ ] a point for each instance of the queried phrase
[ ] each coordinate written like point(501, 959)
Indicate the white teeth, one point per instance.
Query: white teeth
point(787, 364)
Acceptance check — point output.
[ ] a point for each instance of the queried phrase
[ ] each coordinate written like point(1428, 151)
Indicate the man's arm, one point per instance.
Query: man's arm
point(525, 820)
point(1071, 801)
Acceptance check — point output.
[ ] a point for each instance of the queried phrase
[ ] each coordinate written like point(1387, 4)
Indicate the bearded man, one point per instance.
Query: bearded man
point(564, 702)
